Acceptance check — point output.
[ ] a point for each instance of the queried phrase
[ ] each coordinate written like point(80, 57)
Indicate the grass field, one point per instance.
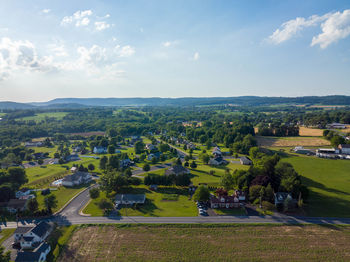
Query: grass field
point(41, 116)
point(266, 141)
point(39, 177)
point(155, 204)
point(208, 243)
point(329, 184)
point(5, 234)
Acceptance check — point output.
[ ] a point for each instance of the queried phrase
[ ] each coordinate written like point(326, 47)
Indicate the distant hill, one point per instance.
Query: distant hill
point(15, 105)
point(184, 101)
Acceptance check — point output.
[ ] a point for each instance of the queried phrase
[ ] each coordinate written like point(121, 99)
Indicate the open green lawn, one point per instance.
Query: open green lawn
point(156, 203)
point(50, 150)
point(208, 243)
point(231, 211)
point(41, 116)
point(329, 184)
point(5, 234)
point(63, 195)
point(39, 177)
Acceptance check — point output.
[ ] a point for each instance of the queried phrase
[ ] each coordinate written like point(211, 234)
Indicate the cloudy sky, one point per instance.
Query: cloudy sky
point(162, 48)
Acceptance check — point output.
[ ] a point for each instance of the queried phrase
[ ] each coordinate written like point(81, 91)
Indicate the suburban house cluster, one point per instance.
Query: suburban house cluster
point(18, 204)
point(236, 200)
point(31, 241)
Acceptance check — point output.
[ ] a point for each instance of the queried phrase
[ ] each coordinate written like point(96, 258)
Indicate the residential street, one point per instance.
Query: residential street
point(70, 215)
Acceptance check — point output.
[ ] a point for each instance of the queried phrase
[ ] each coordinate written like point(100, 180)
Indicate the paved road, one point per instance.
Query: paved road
point(70, 215)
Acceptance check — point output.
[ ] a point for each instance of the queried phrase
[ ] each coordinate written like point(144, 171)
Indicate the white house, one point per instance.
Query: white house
point(100, 150)
point(23, 192)
point(35, 235)
point(76, 179)
point(38, 254)
point(130, 199)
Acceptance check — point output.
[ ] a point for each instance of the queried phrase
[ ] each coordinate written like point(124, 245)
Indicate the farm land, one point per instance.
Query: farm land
point(205, 242)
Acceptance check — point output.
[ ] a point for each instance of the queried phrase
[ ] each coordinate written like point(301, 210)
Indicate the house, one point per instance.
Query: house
point(245, 161)
point(153, 187)
point(240, 194)
point(177, 170)
point(224, 201)
point(33, 144)
point(76, 179)
point(100, 150)
point(152, 155)
point(15, 205)
point(39, 155)
point(151, 147)
point(36, 235)
point(39, 254)
point(125, 163)
point(327, 153)
point(130, 199)
point(27, 197)
point(54, 161)
point(191, 146)
point(217, 151)
point(76, 149)
point(217, 161)
point(20, 231)
point(302, 150)
point(73, 157)
point(74, 169)
point(344, 149)
point(336, 126)
point(280, 198)
point(23, 192)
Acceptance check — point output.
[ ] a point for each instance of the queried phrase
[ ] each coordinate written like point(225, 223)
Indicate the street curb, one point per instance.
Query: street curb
point(81, 210)
point(76, 195)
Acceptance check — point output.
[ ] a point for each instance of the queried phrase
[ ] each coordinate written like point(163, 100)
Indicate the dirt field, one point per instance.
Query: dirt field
point(291, 141)
point(306, 131)
point(209, 243)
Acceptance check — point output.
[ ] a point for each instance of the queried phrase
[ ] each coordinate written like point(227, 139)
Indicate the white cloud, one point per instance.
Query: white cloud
point(79, 17)
point(334, 26)
point(292, 27)
point(20, 56)
point(100, 26)
point(166, 44)
point(58, 50)
point(124, 51)
point(46, 11)
point(195, 56)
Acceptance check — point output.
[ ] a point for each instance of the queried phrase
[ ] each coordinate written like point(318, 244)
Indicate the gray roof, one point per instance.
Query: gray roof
point(41, 229)
point(75, 176)
point(130, 198)
point(23, 230)
point(177, 170)
point(17, 203)
point(27, 239)
point(30, 256)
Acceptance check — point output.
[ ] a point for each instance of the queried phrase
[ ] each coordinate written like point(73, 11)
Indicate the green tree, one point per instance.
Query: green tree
point(91, 167)
point(205, 158)
point(105, 204)
point(146, 167)
point(227, 181)
point(139, 147)
point(103, 163)
point(4, 257)
point(193, 164)
point(111, 149)
point(33, 205)
point(202, 194)
point(94, 193)
point(50, 202)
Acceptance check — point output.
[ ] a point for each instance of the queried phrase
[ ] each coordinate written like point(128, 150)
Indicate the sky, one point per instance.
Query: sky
point(165, 48)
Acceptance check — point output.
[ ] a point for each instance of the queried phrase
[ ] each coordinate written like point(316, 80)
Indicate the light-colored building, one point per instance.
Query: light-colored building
point(76, 179)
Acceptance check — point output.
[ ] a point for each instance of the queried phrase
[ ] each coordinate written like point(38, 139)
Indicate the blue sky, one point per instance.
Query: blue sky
point(52, 49)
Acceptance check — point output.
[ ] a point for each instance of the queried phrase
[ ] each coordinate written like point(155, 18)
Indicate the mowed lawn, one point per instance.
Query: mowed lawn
point(208, 243)
point(166, 202)
point(329, 184)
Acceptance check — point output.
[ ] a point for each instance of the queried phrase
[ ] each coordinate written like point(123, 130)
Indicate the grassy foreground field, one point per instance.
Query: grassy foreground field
point(329, 184)
point(208, 243)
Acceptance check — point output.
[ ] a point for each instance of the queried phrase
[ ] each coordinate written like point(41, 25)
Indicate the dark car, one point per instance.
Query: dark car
point(16, 245)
